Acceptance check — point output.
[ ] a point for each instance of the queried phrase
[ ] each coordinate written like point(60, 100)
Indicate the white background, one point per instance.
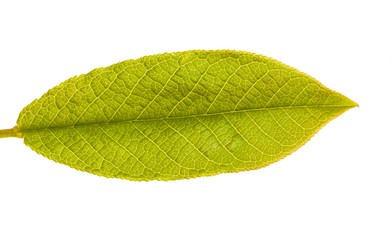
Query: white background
point(338, 186)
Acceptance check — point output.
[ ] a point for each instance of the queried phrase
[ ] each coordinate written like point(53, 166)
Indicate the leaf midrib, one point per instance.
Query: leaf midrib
point(194, 116)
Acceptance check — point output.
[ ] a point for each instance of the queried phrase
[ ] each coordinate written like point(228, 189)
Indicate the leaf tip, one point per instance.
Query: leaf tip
point(353, 103)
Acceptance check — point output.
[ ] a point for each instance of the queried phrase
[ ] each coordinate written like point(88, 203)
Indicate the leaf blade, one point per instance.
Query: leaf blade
point(204, 109)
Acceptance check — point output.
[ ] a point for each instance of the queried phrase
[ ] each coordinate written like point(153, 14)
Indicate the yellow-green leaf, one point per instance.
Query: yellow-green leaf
point(179, 115)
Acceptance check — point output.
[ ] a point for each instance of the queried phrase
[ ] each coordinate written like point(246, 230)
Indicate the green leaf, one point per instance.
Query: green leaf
point(179, 115)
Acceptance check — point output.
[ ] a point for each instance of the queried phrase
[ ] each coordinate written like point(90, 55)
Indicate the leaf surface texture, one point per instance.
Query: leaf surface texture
point(180, 115)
